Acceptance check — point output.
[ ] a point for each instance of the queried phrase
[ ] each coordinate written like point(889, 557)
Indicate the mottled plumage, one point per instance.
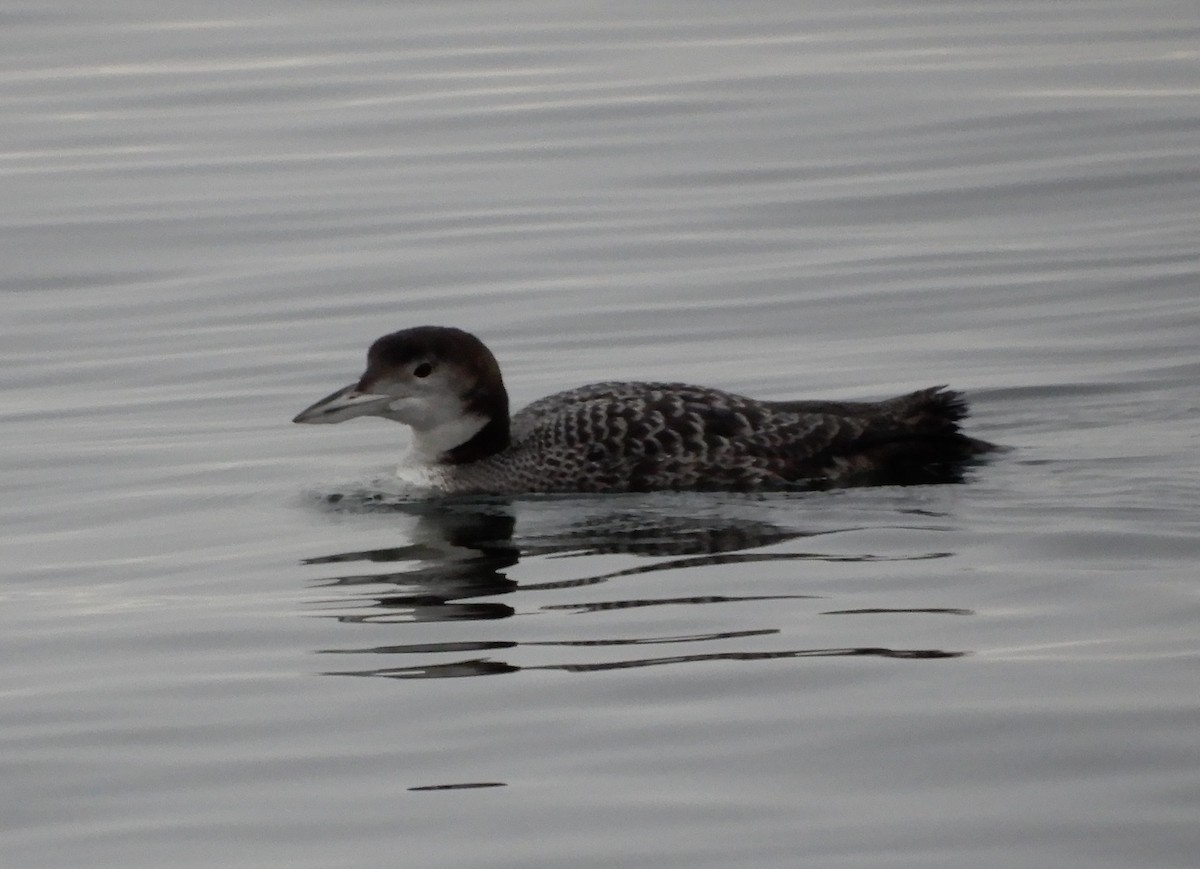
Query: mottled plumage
point(631, 436)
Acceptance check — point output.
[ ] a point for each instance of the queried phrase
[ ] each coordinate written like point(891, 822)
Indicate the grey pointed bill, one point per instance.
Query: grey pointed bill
point(342, 405)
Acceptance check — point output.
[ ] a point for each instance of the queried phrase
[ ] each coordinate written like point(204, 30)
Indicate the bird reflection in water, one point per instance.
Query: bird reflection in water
point(460, 552)
point(463, 548)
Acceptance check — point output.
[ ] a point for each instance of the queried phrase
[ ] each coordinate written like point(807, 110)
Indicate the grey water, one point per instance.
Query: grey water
point(226, 641)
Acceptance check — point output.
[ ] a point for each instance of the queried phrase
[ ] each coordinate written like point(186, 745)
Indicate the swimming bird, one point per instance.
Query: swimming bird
point(635, 437)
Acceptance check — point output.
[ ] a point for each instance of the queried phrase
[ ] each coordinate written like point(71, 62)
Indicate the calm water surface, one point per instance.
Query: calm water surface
point(227, 641)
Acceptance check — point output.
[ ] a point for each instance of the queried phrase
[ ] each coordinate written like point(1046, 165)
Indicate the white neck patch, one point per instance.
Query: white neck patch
point(429, 443)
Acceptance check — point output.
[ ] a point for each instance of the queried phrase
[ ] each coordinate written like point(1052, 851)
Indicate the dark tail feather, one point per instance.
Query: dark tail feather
point(937, 411)
point(924, 408)
point(916, 439)
point(929, 408)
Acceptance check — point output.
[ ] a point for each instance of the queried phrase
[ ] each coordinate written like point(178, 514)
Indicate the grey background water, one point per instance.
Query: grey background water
point(219, 645)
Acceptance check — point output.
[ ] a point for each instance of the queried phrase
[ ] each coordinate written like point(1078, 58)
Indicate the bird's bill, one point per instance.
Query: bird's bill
point(346, 403)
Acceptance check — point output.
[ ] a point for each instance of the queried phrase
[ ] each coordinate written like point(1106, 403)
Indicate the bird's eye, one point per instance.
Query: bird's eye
point(423, 370)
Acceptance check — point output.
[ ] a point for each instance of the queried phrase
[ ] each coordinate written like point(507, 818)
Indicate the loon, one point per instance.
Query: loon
point(637, 437)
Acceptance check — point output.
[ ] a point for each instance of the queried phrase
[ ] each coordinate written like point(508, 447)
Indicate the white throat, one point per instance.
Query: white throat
point(429, 443)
